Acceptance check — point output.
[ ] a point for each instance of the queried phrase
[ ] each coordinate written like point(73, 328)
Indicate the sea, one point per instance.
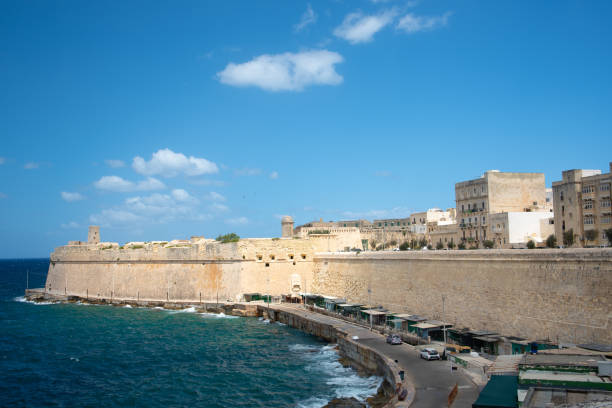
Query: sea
point(81, 355)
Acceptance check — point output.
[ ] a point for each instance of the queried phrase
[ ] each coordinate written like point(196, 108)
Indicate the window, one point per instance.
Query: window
point(535, 203)
point(303, 256)
point(291, 256)
point(483, 220)
point(605, 219)
point(259, 257)
point(561, 196)
point(588, 220)
point(562, 210)
point(469, 207)
point(604, 187)
point(605, 203)
point(345, 225)
point(462, 207)
point(267, 265)
point(588, 189)
point(483, 205)
point(588, 205)
point(272, 257)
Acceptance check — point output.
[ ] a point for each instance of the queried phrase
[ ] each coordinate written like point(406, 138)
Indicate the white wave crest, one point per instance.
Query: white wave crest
point(128, 306)
point(191, 309)
point(218, 316)
point(22, 299)
point(313, 402)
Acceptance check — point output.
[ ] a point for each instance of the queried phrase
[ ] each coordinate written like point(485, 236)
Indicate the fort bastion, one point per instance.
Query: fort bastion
point(564, 295)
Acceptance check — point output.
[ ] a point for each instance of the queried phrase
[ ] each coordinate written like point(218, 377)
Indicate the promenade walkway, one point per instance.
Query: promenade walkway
point(432, 380)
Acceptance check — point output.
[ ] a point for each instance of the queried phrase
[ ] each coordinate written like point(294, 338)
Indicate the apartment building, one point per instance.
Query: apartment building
point(582, 203)
point(496, 192)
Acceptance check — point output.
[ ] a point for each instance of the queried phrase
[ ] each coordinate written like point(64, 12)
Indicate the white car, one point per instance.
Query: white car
point(430, 354)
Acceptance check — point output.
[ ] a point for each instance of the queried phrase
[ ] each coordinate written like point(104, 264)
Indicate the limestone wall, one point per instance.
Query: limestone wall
point(563, 295)
point(188, 272)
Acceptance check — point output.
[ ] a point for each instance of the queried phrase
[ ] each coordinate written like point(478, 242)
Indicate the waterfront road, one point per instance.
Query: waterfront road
point(432, 380)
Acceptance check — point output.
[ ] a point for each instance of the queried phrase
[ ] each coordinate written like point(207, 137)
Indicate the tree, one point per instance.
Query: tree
point(530, 244)
point(423, 242)
point(404, 246)
point(231, 237)
point(373, 244)
point(551, 241)
point(488, 244)
point(568, 237)
point(414, 244)
point(461, 245)
point(608, 233)
point(439, 245)
point(450, 244)
point(392, 243)
point(591, 235)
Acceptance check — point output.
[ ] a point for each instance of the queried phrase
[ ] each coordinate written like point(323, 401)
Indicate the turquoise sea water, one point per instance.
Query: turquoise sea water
point(74, 355)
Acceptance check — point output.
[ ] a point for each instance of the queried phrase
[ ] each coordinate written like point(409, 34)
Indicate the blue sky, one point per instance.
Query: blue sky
point(162, 120)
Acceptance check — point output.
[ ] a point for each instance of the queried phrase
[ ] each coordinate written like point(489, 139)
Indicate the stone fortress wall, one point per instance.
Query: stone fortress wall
point(561, 295)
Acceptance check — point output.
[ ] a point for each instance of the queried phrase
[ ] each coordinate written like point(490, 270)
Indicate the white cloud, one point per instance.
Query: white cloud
point(247, 172)
point(71, 225)
point(237, 221)
point(285, 72)
point(167, 163)
point(31, 166)
point(412, 23)
point(115, 164)
point(214, 196)
point(183, 196)
point(358, 28)
point(71, 196)
point(118, 184)
point(152, 209)
point(274, 175)
point(112, 216)
point(309, 17)
point(204, 182)
point(218, 207)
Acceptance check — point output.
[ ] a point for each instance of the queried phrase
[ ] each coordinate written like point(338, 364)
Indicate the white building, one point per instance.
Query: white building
point(517, 228)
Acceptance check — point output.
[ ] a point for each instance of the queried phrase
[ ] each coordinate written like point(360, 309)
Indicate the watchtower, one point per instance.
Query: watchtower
point(93, 237)
point(287, 227)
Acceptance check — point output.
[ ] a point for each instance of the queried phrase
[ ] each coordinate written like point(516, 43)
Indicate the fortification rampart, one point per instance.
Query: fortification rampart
point(562, 295)
point(184, 272)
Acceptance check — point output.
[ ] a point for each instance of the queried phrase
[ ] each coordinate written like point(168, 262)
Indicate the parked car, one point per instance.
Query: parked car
point(430, 354)
point(394, 339)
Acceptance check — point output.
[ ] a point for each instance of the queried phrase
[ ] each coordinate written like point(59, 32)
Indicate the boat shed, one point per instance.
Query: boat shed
point(331, 303)
point(377, 317)
point(348, 309)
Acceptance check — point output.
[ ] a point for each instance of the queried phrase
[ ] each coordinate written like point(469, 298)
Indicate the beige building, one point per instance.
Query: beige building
point(495, 192)
point(582, 203)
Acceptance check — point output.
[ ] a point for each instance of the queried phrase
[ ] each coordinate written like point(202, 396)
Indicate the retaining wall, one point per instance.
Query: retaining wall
point(562, 295)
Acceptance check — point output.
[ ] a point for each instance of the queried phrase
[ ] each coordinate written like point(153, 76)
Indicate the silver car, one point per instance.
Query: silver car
point(430, 354)
point(394, 339)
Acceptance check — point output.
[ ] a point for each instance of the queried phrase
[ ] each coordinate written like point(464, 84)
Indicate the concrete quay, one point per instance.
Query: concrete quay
point(428, 383)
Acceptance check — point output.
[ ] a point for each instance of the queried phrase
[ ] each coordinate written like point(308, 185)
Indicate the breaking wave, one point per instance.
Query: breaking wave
point(346, 383)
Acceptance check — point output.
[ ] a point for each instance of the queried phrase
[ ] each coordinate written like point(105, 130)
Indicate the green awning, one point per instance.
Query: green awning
point(500, 392)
